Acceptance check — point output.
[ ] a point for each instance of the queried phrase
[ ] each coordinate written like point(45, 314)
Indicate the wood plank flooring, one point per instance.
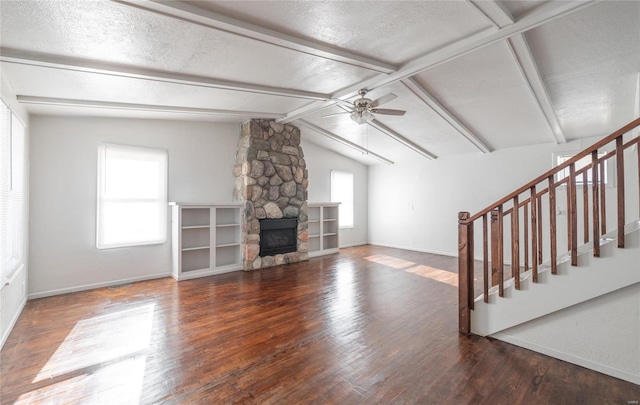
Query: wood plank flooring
point(370, 325)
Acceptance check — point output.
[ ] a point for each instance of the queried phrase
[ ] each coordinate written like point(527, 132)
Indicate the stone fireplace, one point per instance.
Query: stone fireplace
point(271, 180)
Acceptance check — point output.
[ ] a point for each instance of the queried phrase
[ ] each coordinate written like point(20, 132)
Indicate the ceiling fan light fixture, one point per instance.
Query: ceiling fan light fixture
point(361, 117)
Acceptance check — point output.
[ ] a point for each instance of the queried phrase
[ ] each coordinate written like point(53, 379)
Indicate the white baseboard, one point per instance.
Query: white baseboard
point(13, 322)
point(353, 244)
point(433, 252)
point(586, 363)
point(85, 287)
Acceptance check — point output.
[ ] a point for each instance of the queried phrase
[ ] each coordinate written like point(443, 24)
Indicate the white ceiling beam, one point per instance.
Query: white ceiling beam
point(108, 69)
point(193, 14)
point(342, 140)
point(538, 16)
point(500, 17)
point(65, 102)
point(439, 109)
point(523, 57)
point(394, 135)
point(494, 12)
point(305, 110)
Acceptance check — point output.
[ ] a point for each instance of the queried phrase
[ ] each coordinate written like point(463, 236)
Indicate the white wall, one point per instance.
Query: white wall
point(201, 157)
point(63, 255)
point(13, 296)
point(602, 334)
point(320, 162)
point(415, 204)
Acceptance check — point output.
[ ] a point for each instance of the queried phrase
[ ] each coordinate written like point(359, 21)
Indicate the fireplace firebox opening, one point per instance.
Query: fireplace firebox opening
point(278, 236)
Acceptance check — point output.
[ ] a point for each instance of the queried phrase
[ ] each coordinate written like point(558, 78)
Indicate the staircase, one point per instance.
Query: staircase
point(593, 277)
point(572, 235)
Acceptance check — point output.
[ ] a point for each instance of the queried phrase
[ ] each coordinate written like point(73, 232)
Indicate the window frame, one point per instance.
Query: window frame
point(344, 205)
point(565, 172)
point(161, 200)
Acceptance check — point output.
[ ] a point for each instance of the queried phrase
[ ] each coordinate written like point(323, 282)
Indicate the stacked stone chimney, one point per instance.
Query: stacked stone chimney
point(271, 179)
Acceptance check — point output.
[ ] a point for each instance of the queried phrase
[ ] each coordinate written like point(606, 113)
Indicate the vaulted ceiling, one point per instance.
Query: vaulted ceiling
point(473, 76)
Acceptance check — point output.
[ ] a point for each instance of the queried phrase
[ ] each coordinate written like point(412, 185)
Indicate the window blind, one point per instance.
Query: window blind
point(12, 178)
point(342, 192)
point(132, 196)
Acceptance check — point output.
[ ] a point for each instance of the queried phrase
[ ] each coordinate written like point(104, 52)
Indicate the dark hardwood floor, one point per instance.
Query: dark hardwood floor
point(370, 325)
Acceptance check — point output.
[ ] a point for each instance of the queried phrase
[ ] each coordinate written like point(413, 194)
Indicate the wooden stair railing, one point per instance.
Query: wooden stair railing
point(525, 206)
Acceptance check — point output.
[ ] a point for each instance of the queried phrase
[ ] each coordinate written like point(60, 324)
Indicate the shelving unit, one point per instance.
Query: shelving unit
point(206, 239)
point(323, 228)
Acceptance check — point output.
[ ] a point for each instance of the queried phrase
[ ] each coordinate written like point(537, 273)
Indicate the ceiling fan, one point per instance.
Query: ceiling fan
point(363, 108)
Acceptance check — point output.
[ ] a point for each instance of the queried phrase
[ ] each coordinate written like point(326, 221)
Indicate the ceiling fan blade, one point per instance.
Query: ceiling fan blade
point(386, 111)
point(383, 99)
point(336, 114)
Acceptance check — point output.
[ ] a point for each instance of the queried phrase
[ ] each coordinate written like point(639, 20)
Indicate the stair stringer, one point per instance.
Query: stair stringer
point(616, 268)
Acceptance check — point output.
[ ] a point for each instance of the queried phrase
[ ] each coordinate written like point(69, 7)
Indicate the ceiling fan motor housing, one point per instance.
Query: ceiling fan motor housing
point(362, 104)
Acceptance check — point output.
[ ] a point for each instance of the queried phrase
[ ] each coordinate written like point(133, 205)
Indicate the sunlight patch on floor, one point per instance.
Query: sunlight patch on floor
point(435, 274)
point(101, 339)
point(420, 270)
point(116, 383)
point(390, 261)
point(104, 354)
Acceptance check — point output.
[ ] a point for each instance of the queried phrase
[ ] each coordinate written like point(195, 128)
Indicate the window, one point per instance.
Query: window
point(584, 162)
point(12, 169)
point(132, 196)
point(342, 192)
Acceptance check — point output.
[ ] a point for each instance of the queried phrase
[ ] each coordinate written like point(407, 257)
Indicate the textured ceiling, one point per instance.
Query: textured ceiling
point(473, 76)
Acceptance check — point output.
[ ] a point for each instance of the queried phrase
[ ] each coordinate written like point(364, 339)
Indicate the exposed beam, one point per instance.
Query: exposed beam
point(305, 110)
point(439, 109)
point(342, 140)
point(494, 11)
point(538, 16)
point(86, 66)
point(193, 14)
point(65, 102)
point(500, 17)
point(409, 144)
point(526, 63)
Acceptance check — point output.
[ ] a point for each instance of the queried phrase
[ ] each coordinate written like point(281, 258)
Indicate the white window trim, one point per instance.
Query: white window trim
point(162, 200)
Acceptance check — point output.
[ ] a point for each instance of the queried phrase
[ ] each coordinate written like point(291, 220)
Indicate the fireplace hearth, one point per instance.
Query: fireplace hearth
point(278, 236)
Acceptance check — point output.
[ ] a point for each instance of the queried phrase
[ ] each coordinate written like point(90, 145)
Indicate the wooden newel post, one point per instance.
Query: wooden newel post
point(465, 272)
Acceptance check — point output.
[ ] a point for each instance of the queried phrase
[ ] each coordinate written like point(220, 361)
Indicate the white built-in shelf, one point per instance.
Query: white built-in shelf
point(323, 228)
point(228, 244)
point(206, 239)
point(195, 248)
